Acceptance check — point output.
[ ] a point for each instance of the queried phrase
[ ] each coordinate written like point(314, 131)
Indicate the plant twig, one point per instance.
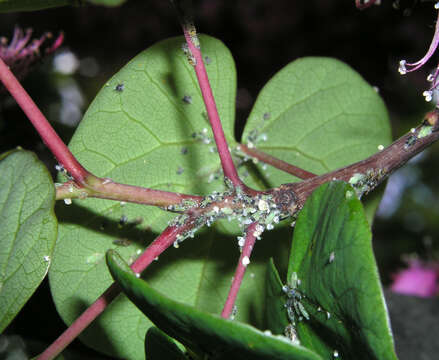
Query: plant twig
point(196, 59)
point(38, 120)
point(108, 189)
point(367, 174)
point(160, 244)
point(243, 262)
point(277, 163)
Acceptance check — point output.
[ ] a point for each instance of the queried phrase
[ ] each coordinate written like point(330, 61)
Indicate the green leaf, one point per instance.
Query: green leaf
point(319, 115)
point(32, 5)
point(159, 346)
point(201, 331)
point(332, 256)
point(142, 135)
point(28, 229)
point(276, 316)
point(107, 2)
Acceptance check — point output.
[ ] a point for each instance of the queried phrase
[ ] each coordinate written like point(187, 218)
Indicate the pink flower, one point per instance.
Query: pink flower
point(420, 279)
point(405, 67)
point(21, 53)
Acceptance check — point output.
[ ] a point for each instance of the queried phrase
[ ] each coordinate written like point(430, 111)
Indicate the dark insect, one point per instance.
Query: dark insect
point(119, 87)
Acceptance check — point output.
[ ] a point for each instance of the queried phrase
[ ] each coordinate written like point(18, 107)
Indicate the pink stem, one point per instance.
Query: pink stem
point(212, 111)
point(244, 259)
point(49, 136)
point(165, 240)
point(277, 163)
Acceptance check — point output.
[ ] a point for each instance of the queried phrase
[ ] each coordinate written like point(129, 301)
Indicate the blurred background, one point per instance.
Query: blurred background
point(263, 36)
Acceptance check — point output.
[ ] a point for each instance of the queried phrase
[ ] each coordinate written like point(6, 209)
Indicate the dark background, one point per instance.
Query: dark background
point(263, 36)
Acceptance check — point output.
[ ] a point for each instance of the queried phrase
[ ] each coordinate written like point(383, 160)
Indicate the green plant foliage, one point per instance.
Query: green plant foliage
point(160, 346)
point(332, 256)
point(275, 314)
point(318, 114)
point(28, 229)
point(107, 2)
point(200, 331)
point(147, 127)
point(32, 5)
point(141, 134)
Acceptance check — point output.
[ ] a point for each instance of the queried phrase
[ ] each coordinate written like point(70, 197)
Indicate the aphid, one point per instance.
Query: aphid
point(180, 170)
point(123, 220)
point(119, 87)
point(331, 257)
point(122, 242)
point(207, 60)
point(294, 306)
point(410, 141)
point(187, 99)
point(184, 150)
point(234, 312)
point(291, 334)
point(245, 261)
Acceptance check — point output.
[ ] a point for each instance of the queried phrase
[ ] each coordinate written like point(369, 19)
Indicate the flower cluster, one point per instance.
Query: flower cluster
point(21, 53)
point(405, 67)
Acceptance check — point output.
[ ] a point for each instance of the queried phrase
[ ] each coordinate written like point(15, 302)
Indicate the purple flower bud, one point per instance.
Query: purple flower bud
point(22, 53)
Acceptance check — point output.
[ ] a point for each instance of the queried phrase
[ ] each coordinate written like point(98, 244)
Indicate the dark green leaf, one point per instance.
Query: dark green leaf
point(107, 2)
point(160, 346)
point(203, 332)
point(28, 229)
point(31, 5)
point(275, 313)
point(332, 256)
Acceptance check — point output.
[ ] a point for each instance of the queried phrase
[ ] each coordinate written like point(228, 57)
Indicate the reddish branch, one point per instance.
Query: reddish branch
point(277, 163)
point(38, 120)
point(243, 262)
point(165, 240)
point(228, 166)
point(378, 166)
point(105, 188)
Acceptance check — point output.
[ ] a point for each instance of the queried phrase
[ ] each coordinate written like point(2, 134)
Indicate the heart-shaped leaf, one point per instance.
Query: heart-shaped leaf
point(200, 331)
point(318, 114)
point(332, 257)
point(28, 229)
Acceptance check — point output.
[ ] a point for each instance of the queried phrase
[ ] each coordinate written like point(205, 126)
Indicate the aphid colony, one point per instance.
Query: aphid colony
point(364, 183)
point(295, 309)
point(231, 204)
